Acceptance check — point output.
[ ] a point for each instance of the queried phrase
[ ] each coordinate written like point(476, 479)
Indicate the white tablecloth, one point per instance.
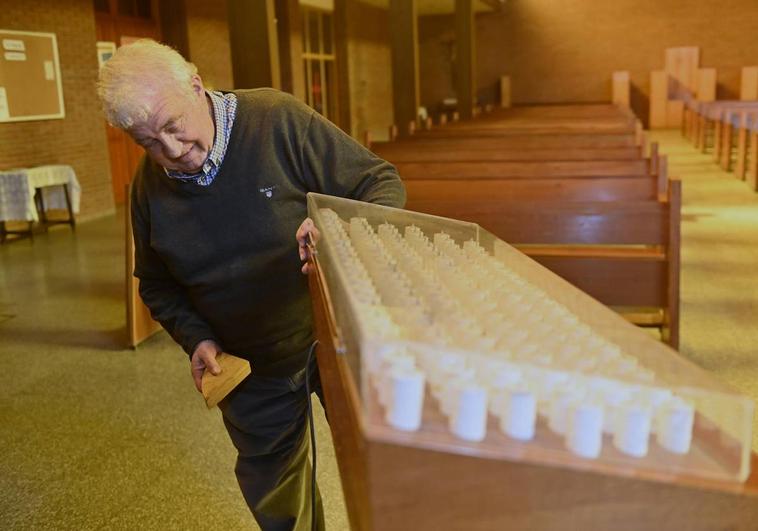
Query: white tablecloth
point(17, 191)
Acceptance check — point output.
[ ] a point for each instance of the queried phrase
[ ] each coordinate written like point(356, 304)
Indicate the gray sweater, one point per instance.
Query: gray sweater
point(221, 262)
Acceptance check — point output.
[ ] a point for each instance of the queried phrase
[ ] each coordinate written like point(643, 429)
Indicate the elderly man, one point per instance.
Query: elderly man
point(218, 206)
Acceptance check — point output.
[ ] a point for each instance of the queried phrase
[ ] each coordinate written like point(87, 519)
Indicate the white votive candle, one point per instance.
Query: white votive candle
point(519, 415)
point(469, 420)
point(407, 401)
point(584, 435)
point(632, 430)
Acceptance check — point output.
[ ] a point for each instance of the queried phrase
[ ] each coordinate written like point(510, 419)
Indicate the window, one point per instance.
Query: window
point(319, 61)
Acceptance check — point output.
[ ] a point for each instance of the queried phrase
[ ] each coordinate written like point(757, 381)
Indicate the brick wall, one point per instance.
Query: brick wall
point(79, 139)
point(208, 34)
point(558, 51)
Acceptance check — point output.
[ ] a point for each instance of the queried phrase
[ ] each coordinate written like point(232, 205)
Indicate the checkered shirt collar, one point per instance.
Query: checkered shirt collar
point(224, 111)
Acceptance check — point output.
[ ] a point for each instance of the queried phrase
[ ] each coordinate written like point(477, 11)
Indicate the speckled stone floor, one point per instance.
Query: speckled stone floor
point(94, 435)
point(97, 436)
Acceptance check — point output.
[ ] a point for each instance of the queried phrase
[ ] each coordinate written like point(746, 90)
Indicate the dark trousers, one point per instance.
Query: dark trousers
point(267, 420)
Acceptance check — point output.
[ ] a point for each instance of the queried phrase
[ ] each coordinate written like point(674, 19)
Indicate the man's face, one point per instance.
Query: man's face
point(179, 133)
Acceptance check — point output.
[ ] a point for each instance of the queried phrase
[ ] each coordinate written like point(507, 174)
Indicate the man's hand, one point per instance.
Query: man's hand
point(204, 358)
point(306, 227)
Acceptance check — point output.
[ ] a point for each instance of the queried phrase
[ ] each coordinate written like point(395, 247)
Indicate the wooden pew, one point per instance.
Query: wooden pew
point(476, 170)
point(506, 125)
point(565, 189)
point(623, 253)
point(403, 152)
point(745, 123)
point(526, 170)
point(564, 120)
point(751, 164)
point(714, 124)
point(527, 141)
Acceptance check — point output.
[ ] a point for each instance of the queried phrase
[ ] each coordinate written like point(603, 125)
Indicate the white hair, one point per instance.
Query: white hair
point(136, 72)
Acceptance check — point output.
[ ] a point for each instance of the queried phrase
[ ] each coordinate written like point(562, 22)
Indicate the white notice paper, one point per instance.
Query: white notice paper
point(15, 56)
point(49, 71)
point(15, 45)
point(4, 114)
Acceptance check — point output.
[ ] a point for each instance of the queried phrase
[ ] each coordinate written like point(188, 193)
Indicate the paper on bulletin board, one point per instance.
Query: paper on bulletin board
point(4, 114)
point(49, 71)
point(14, 45)
point(15, 56)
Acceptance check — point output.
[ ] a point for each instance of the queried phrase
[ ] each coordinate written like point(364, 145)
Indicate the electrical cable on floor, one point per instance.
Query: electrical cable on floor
point(313, 432)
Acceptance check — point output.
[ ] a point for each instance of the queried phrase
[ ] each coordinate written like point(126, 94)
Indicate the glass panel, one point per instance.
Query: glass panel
point(313, 35)
point(306, 43)
point(326, 22)
point(330, 92)
point(316, 87)
point(324, 88)
point(307, 77)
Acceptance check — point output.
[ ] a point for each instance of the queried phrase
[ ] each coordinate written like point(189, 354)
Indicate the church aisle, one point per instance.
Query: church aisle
point(719, 279)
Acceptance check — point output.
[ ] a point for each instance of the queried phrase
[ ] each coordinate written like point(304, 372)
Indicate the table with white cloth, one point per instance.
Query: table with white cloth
point(26, 194)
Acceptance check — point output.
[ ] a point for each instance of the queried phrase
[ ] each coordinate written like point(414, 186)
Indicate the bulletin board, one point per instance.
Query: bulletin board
point(30, 77)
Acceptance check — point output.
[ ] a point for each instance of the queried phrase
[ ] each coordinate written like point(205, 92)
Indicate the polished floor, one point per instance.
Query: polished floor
point(98, 436)
point(94, 435)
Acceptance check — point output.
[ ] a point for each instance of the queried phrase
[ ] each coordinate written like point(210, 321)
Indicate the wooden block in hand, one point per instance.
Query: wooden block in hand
point(233, 371)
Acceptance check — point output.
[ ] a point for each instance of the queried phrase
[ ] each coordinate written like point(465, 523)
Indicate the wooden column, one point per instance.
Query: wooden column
point(173, 21)
point(289, 22)
point(465, 58)
point(252, 37)
point(405, 76)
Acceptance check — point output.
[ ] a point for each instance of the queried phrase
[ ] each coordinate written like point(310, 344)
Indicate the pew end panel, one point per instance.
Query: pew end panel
point(505, 92)
point(620, 88)
point(139, 324)
point(752, 164)
point(749, 83)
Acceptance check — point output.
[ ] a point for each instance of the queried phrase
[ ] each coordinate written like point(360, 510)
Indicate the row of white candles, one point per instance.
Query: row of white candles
point(507, 348)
